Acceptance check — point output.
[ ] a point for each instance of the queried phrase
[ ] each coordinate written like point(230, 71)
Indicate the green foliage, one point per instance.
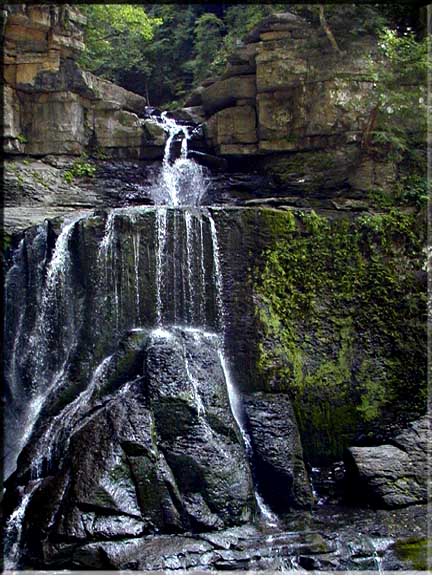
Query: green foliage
point(115, 37)
point(22, 139)
point(6, 241)
point(343, 319)
point(162, 51)
point(79, 169)
point(399, 98)
point(208, 39)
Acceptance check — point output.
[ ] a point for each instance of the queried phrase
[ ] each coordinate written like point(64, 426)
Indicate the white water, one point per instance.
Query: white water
point(189, 288)
point(161, 234)
point(13, 530)
point(56, 282)
point(181, 184)
point(9, 292)
point(267, 515)
point(380, 545)
point(217, 273)
point(182, 181)
point(136, 240)
point(108, 259)
point(65, 420)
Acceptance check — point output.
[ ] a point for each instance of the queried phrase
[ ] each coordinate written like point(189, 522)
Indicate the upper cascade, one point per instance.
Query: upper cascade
point(181, 181)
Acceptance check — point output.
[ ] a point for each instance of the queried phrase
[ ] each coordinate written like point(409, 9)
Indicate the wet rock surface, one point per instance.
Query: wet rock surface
point(279, 464)
point(150, 470)
point(326, 541)
point(168, 456)
point(395, 474)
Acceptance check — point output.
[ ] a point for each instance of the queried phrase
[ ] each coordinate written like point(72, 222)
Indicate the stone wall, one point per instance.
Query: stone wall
point(51, 106)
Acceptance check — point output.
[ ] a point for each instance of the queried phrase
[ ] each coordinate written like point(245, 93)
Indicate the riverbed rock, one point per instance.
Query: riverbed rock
point(393, 475)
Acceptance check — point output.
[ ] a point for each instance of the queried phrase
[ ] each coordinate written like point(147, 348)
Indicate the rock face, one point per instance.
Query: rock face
point(299, 109)
point(135, 456)
point(53, 107)
point(168, 456)
point(287, 93)
point(396, 474)
point(280, 469)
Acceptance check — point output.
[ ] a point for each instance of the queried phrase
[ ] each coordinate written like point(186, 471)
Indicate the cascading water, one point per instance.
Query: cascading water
point(183, 183)
point(180, 266)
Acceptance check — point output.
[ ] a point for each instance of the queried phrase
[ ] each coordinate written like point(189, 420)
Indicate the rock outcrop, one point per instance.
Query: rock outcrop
point(286, 90)
point(299, 109)
point(51, 106)
point(396, 474)
point(280, 469)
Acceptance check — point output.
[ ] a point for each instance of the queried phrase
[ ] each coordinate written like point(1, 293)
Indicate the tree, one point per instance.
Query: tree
point(399, 73)
point(209, 31)
point(116, 36)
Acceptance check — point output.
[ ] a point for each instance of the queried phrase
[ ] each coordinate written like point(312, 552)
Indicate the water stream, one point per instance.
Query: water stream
point(188, 290)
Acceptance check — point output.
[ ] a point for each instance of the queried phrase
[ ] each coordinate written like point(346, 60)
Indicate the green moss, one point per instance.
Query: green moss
point(343, 322)
point(79, 169)
point(416, 551)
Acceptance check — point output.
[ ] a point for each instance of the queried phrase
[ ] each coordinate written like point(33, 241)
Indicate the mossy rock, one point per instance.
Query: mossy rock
point(416, 551)
point(342, 308)
point(311, 172)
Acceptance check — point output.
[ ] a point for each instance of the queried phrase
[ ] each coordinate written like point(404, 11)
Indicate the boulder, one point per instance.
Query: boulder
point(277, 449)
point(168, 456)
point(118, 129)
point(393, 475)
point(195, 97)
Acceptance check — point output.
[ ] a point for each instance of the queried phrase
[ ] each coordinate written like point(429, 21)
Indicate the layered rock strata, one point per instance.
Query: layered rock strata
point(51, 106)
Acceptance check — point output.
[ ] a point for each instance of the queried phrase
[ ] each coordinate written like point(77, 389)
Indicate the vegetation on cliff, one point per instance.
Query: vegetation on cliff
point(342, 305)
point(162, 52)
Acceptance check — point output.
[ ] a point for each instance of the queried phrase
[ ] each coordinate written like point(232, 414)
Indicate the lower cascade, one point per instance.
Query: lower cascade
point(161, 403)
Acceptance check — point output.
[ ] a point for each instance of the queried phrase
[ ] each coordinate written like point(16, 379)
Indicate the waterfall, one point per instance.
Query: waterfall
point(182, 260)
point(62, 425)
point(182, 181)
point(182, 184)
point(161, 227)
point(13, 530)
point(52, 337)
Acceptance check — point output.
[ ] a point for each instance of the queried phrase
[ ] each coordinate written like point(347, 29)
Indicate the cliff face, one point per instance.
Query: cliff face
point(286, 89)
point(299, 108)
point(53, 107)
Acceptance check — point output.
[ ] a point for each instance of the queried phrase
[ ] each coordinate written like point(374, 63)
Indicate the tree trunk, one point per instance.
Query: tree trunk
point(369, 127)
point(327, 30)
